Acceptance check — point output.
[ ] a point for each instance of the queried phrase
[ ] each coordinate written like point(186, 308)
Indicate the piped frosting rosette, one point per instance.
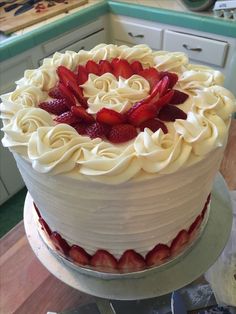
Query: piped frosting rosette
point(58, 148)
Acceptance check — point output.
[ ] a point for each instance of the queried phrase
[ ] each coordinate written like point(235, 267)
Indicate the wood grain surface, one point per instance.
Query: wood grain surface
point(27, 287)
point(10, 23)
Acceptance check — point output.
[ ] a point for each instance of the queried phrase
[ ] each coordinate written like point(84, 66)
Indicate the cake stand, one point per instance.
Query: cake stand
point(147, 283)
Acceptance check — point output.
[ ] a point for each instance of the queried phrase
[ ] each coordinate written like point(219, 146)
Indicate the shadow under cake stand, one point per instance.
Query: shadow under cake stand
point(149, 283)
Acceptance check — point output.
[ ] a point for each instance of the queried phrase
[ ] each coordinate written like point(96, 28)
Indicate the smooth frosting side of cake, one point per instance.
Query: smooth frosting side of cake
point(135, 215)
point(59, 149)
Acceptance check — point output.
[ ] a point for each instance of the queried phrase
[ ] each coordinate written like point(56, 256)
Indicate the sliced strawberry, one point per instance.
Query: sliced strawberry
point(92, 67)
point(81, 113)
point(151, 75)
point(114, 61)
point(157, 255)
point(163, 100)
point(69, 79)
point(122, 68)
point(54, 106)
point(68, 118)
point(110, 116)
point(37, 210)
point(140, 113)
point(55, 92)
point(104, 261)
point(206, 206)
point(65, 75)
point(160, 87)
point(82, 75)
point(79, 255)
point(172, 77)
point(81, 128)
point(60, 243)
point(45, 226)
point(105, 67)
point(96, 130)
point(179, 242)
point(195, 226)
point(121, 133)
point(131, 261)
point(171, 113)
point(178, 97)
point(136, 67)
point(67, 94)
point(154, 125)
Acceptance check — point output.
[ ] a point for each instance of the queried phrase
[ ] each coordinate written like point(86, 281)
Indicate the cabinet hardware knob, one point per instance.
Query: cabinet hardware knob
point(81, 48)
point(135, 36)
point(187, 47)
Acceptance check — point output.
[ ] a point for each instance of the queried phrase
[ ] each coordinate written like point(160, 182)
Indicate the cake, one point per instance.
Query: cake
point(118, 147)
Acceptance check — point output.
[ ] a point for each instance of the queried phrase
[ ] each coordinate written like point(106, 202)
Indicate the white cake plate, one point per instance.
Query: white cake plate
point(149, 283)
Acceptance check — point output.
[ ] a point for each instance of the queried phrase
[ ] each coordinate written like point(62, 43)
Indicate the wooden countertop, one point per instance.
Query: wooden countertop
point(27, 287)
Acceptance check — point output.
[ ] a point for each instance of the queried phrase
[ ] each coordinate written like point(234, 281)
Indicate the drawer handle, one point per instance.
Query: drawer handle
point(136, 36)
point(81, 48)
point(192, 49)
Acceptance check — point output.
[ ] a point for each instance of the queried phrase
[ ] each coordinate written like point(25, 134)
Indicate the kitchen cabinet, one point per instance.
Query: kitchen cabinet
point(204, 48)
point(136, 32)
point(12, 69)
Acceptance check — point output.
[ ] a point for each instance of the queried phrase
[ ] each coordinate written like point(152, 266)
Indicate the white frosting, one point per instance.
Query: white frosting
point(208, 109)
point(136, 214)
point(106, 91)
point(161, 180)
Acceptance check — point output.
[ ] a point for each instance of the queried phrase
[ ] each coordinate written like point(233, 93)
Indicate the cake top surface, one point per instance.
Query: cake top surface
point(115, 113)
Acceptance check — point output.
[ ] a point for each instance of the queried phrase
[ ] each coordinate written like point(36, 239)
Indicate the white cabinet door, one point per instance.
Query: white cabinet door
point(134, 33)
point(198, 48)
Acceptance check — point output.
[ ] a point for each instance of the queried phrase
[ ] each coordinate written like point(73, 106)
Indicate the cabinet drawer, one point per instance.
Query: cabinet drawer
point(201, 49)
point(135, 34)
point(87, 43)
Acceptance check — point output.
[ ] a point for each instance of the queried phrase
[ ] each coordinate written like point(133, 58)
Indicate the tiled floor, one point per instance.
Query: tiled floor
point(11, 212)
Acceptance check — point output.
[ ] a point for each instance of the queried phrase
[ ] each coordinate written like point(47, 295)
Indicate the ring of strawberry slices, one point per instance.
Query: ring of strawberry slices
point(70, 106)
point(130, 260)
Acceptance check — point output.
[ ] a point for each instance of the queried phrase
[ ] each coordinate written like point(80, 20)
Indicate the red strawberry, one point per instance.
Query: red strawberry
point(136, 67)
point(81, 128)
point(122, 68)
point(96, 130)
point(109, 116)
point(45, 226)
point(154, 125)
point(179, 242)
point(82, 75)
point(171, 113)
point(178, 97)
point(60, 243)
point(131, 261)
point(121, 133)
point(67, 94)
point(69, 79)
point(55, 106)
point(81, 113)
point(92, 67)
point(104, 261)
point(160, 88)
point(151, 75)
point(37, 210)
point(163, 100)
point(157, 255)
point(206, 205)
point(79, 255)
point(172, 77)
point(114, 61)
point(140, 113)
point(68, 118)
point(104, 67)
point(55, 92)
point(195, 226)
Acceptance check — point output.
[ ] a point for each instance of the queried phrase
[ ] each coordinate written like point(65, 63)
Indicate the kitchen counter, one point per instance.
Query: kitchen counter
point(39, 33)
point(27, 287)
